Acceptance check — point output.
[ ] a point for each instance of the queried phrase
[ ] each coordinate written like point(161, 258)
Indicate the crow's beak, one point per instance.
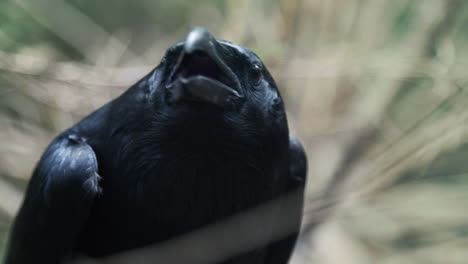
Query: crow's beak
point(199, 39)
point(200, 74)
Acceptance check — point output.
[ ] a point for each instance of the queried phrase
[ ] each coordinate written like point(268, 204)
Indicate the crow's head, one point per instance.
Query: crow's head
point(209, 100)
point(219, 74)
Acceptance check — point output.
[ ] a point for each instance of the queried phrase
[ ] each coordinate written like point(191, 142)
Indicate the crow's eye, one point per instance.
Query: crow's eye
point(257, 73)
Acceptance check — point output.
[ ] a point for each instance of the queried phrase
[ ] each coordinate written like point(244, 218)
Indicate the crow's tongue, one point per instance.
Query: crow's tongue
point(200, 64)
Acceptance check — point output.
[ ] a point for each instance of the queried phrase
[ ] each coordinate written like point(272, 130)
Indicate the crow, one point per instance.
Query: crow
point(202, 137)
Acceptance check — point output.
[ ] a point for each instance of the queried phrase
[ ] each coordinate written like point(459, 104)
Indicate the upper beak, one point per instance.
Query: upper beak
point(200, 39)
point(200, 74)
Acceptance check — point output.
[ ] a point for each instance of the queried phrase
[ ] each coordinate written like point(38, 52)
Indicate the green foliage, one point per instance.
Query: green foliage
point(404, 20)
point(17, 29)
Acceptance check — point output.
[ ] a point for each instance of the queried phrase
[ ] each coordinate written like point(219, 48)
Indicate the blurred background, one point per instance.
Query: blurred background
point(376, 91)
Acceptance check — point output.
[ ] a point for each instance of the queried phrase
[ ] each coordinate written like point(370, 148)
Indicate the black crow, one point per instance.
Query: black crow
point(202, 137)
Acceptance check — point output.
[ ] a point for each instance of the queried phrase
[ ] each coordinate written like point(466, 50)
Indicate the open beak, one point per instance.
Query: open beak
point(200, 74)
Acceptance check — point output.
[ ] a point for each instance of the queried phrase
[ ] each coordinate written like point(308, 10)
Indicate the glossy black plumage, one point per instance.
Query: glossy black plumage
point(165, 158)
